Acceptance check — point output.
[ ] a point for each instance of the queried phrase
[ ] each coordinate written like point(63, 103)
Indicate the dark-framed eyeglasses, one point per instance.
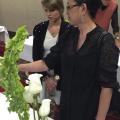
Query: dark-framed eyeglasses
point(68, 7)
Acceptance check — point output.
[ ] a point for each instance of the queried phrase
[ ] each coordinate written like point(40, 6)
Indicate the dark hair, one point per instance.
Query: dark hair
point(54, 5)
point(92, 6)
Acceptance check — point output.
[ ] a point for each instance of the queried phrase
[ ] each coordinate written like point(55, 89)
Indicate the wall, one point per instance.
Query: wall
point(23, 12)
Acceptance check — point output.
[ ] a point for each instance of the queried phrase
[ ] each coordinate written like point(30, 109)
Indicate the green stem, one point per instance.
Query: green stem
point(37, 106)
point(34, 114)
point(38, 114)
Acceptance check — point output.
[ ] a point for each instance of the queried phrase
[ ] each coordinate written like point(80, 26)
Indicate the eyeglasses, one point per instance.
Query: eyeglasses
point(70, 7)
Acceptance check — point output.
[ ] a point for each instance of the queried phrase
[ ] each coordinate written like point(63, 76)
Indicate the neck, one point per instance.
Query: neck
point(87, 26)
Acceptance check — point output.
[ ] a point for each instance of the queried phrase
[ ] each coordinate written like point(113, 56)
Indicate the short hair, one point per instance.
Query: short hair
point(92, 6)
point(54, 5)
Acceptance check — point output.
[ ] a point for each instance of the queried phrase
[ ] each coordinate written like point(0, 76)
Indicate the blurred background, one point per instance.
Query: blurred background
point(24, 12)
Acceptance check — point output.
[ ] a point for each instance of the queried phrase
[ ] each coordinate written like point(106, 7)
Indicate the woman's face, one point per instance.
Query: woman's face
point(74, 12)
point(106, 2)
point(52, 15)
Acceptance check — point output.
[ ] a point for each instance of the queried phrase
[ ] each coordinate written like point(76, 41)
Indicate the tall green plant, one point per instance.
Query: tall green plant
point(9, 78)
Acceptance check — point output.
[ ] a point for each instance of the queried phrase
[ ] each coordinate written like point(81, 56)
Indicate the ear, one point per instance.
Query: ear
point(83, 9)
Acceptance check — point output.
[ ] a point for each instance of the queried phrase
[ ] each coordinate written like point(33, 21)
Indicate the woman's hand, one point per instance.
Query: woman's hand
point(51, 83)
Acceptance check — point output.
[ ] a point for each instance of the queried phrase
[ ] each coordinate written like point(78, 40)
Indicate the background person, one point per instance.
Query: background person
point(46, 34)
point(108, 14)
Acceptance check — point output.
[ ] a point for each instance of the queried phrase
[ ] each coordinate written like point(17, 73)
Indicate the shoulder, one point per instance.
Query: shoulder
point(107, 36)
point(40, 27)
point(108, 43)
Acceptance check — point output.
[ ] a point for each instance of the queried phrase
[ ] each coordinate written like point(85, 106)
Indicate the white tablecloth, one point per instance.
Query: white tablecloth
point(5, 115)
point(27, 52)
point(4, 34)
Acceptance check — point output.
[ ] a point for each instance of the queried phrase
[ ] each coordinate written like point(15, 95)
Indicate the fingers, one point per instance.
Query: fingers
point(50, 84)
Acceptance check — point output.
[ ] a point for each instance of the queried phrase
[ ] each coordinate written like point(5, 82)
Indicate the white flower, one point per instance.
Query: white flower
point(45, 108)
point(35, 89)
point(35, 86)
point(27, 95)
point(35, 78)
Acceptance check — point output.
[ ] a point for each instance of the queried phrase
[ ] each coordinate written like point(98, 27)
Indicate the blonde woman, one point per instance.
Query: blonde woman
point(46, 35)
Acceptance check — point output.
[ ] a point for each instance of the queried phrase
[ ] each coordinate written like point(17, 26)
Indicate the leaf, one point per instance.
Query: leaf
point(9, 78)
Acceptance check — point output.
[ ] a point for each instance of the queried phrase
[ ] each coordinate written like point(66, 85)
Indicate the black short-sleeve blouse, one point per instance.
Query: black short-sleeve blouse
point(83, 72)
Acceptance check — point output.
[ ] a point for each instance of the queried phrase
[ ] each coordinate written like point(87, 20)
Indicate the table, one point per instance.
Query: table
point(27, 52)
point(5, 115)
point(4, 34)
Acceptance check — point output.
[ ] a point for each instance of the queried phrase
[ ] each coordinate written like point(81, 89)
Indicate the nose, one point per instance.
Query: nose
point(48, 13)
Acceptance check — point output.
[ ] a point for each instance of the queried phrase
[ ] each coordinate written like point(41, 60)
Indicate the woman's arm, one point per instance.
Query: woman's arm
point(37, 66)
point(104, 103)
point(107, 74)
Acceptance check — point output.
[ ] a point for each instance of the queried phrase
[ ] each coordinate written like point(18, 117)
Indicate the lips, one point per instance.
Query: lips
point(50, 17)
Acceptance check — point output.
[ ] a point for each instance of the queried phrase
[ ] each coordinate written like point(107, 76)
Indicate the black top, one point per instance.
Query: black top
point(39, 33)
point(83, 72)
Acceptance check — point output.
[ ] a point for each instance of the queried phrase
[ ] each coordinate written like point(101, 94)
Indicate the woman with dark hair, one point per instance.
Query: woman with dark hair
point(88, 69)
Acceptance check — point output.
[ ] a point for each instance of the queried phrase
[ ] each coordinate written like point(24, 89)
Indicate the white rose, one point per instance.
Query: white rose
point(35, 78)
point(35, 88)
point(28, 96)
point(45, 108)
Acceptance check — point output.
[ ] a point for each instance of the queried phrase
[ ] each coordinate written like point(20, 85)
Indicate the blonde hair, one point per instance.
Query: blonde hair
point(54, 5)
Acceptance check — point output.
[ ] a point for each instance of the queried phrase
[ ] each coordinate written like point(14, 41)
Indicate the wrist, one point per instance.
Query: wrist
point(100, 117)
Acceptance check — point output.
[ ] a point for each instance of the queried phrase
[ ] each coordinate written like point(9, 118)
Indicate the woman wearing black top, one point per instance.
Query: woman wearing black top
point(88, 70)
point(46, 34)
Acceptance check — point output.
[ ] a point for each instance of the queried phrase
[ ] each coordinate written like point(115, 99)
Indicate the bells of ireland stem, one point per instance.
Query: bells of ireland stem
point(35, 86)
point(44, 108)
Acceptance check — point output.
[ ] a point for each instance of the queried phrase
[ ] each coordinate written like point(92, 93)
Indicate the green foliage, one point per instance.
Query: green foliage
point(9, 78)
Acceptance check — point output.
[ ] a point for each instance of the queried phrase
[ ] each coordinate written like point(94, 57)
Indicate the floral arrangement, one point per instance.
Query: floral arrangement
point(9, 79)
point(31, 94)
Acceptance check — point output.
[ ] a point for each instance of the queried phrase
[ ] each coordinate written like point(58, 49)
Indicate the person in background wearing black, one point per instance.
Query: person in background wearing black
point(46, 34)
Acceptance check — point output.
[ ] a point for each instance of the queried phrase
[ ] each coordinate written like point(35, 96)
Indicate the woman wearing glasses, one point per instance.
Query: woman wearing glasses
point(88, 70)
